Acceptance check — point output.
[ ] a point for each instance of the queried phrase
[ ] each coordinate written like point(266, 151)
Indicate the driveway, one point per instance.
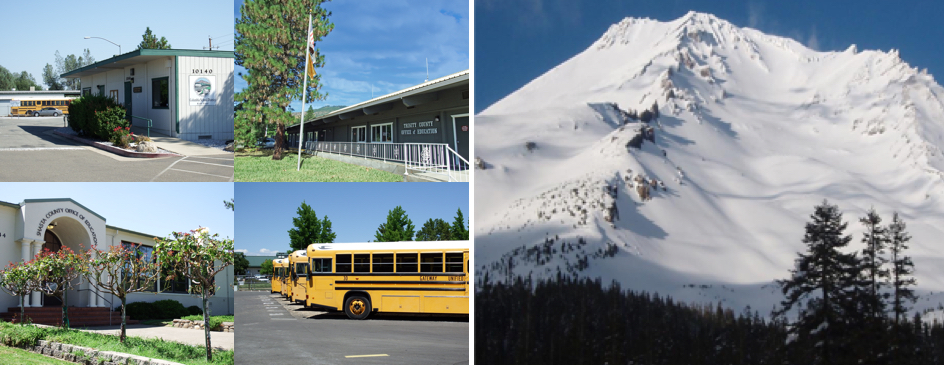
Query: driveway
point(269, 327)
point(29, 151)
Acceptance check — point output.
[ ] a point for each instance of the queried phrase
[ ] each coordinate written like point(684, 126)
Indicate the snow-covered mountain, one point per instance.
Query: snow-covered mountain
point(753, 131)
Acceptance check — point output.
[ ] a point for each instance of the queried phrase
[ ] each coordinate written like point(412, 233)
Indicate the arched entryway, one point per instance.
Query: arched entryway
point(52, 244)
point(66, 231)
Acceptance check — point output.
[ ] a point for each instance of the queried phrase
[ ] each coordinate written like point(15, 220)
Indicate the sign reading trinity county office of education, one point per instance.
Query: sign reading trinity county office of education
point(427, 127)
point(203, 89)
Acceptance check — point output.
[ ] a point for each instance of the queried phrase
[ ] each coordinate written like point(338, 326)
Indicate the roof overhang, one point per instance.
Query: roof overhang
point(142, 56)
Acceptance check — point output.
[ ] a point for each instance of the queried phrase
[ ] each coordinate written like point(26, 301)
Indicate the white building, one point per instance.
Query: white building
point(187, 94)
point(36, 224)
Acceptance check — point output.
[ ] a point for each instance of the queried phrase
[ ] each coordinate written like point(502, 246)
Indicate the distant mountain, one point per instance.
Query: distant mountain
point(751, 131)
point(320, 111)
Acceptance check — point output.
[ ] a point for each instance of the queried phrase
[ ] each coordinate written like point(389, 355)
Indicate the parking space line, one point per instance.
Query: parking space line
point(40, 148)
point(212, 158)
point(207, 163)
point(201, 173)
point(376, 355)
point(168, 168)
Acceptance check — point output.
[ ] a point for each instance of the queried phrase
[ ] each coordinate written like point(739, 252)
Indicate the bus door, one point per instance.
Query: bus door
point(321, 282)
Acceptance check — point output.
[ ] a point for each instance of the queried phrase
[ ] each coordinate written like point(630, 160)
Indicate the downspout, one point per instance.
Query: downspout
point(176, 96)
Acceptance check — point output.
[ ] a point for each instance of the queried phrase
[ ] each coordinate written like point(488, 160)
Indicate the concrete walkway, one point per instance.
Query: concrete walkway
point(219, 340)
point(178, 145)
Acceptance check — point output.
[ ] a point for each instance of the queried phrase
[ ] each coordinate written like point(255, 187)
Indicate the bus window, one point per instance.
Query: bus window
point(406, 262)
point(453, 261)
point(343, 262)
point(383, 262)
point(321, 265)
point(362, 262)
point(301, 269)
point(431, 262)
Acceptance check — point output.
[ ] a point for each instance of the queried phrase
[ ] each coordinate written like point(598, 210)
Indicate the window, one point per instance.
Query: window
point(86, 91)
point(406, 262)
point(113, 94)
point(301, 269)
point(383, 262)
point(431, 262)
point(160, 97)
point(362, 262)
point(454, 262)
point(382, 133)
point(101, 90)
point(359, 134)
point(141, 252)
point(343, 262)
point(321, 265)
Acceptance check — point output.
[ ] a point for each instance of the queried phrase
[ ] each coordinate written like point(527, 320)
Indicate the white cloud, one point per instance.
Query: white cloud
point(813, 41)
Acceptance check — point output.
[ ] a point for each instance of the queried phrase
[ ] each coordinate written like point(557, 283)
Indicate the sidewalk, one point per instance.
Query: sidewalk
point(178, 145)
point(219, 340)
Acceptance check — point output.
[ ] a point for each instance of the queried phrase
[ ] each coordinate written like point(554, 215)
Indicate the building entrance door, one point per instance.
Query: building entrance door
point(460, 130)
point(128, 101)
point(53, 245)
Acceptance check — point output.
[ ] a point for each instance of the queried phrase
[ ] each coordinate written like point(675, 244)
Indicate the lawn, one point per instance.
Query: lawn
point(259, 166)
point(13, 355)
point(17, 334)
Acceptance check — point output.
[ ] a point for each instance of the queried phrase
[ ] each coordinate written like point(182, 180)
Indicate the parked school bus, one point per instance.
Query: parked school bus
point(277, 269)
point(298, 264)
point(31, 107)
point(404, 277)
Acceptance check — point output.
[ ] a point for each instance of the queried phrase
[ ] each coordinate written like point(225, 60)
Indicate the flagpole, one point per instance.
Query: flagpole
point(301, 132)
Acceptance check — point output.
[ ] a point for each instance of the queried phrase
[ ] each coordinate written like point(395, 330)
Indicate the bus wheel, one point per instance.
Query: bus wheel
point(357, 307)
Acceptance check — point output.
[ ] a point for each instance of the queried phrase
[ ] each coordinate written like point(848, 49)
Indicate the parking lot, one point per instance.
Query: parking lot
point(30, 151)
point(269, 329)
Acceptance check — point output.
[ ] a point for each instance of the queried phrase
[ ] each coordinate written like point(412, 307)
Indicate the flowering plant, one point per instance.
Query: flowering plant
point(121, 136)
point(19, 279)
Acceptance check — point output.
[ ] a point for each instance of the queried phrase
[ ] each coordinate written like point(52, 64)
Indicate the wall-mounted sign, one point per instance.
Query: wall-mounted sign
point(75, 213)
point(136, 89)
point(203, 90)
point(427, 127)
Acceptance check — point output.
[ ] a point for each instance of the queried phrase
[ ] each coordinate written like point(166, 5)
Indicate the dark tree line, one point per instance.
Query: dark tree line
point(840, 307)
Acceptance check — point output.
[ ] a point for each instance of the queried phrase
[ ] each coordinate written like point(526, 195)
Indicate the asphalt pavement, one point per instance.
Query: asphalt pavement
point(270, 329)
point(29, 151)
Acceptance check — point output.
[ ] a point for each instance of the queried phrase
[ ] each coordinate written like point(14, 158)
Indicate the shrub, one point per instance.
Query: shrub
point(96, 116)
point(140, 310)
point(195, 310)
point(170, 309)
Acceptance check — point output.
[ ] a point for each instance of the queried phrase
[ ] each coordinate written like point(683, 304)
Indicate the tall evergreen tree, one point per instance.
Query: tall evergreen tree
point(50, 78)
point(398, 227)
point(822, 280)
point(270, 45)
point(434, 230)
point(459, 230)
point(150, 41)
point(309, 229)
point(873, 261)
point(902, 268)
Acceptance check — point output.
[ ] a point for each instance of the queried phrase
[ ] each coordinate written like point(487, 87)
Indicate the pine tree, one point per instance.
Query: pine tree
point(822, 280)
point(873, 261)
point(459, 231)
point(270, 44)
point(902, 268)
point(434, 230)
point(150, 41)
point(309, 229)
point(398, 227)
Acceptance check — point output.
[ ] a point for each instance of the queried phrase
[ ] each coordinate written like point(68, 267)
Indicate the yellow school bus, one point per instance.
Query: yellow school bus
point(277, 269)
point(405, 277)
point(32, 107)
point(298, 264)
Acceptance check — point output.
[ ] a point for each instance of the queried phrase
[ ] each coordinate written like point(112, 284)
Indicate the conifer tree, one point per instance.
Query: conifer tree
point(434, 230)
point(309, 229)
point(873, 261)
point(150, 41)
point(822, 280)
point(270, 43)
point(902, 268)
point(459, 231)
point(398, 227)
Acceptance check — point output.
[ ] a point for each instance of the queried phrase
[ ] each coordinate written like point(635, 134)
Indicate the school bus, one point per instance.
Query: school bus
point(298, 265)
point(405, 277)
point(31, 107)
point(277, 269)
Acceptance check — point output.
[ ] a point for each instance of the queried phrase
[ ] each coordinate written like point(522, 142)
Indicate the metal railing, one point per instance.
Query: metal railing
point(149, 124)
point(419, 158)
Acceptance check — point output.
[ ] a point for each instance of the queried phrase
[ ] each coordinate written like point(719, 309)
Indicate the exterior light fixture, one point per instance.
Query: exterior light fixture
point(436, 119)
point(51, 226)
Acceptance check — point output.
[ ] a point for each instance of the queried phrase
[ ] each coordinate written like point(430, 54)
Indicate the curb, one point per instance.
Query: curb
point(85, 355)
point(115, 150)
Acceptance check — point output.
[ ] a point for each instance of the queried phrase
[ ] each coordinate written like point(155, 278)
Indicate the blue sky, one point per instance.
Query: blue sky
point(384, 43)
point(152, 208)
point(63, 26)
point(517, 41)
point(354, 209)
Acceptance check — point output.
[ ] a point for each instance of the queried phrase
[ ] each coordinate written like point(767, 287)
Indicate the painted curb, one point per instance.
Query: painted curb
point(115, 150)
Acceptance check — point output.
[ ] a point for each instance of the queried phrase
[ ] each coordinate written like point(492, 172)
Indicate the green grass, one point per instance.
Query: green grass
point(26, 335)
point(15, 356)
point(259, 166)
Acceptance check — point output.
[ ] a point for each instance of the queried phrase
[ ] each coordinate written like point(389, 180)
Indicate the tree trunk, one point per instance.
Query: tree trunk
point(279, 145)
point(65, 308)
point(206, 326)
point(123, 322)
point(22, 308)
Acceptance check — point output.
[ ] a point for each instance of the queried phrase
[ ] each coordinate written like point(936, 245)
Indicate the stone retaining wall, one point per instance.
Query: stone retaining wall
point(90, 356)
point(198, 325)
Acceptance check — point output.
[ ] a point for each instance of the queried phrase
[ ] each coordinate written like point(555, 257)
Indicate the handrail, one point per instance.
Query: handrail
point(149, 125)
point(110, 308)
point(431, 158)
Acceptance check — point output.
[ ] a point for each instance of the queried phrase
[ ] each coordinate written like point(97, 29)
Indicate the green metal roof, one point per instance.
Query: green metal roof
point(140, 56)
point(256, 261)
